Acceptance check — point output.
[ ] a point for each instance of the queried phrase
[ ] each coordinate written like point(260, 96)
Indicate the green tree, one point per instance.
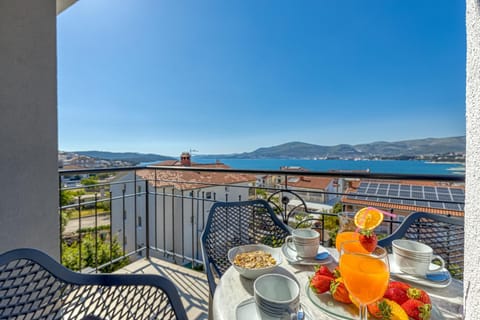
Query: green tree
point(332, 222)
point(90, 183)
point(71, 254)
point(66, 197)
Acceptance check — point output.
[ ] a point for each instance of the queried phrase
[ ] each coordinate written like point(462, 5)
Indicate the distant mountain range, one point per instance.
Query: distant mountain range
point(132, 157)
point(407, 149)
point(430, 148)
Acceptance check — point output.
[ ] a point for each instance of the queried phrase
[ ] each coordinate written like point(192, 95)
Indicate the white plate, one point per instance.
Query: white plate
point(397, 273)
point(246, 310)
point(339, 310)
point(291, 256)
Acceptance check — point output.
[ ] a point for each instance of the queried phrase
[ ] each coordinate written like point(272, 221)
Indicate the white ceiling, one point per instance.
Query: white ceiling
point(64, 4)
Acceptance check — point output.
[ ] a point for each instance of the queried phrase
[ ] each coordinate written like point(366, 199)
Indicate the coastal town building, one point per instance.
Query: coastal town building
point(179, 203)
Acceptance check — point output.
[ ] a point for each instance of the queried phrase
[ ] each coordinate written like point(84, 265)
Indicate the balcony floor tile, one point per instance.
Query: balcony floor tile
point(193, 285)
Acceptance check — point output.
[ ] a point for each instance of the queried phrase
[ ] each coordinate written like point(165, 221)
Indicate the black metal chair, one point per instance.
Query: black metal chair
point(34, 286)
point(238, 223)
point(443, 233)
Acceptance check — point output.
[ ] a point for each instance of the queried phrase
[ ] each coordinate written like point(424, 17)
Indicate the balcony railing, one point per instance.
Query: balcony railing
point(110, 217)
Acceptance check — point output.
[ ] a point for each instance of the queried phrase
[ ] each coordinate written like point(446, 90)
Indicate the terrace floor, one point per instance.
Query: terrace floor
point(193, 285)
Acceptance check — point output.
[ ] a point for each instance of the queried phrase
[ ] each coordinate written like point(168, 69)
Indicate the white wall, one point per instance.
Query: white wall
point(134, 207)
point(184, 237)
point(28, 126)
point(472, 183)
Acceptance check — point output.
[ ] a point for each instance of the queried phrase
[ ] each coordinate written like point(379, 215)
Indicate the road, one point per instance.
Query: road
point(87, 222)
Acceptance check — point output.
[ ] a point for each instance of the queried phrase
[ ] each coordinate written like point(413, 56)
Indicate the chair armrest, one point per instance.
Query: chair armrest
point(76, 294)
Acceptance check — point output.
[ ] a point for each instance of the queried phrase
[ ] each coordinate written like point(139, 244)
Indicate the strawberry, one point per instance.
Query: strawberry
point(325, 271)
point(398, 284)
point(339, 291)
point(417, 310)
point(419, 294)
point(368, 240)
point(396, 294)
point(320, 283)
point(380, 309)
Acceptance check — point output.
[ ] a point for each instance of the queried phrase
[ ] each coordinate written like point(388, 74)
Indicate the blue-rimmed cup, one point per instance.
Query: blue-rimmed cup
point(305, 242)
point(277, 297)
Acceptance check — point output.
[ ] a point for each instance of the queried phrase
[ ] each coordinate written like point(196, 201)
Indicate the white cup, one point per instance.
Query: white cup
point(305, 242)
point(415, 258)
point(277, 297)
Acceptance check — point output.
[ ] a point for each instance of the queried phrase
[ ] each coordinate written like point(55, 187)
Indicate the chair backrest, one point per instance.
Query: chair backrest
point(34, 286)
point(238, 223)
point(443, 233)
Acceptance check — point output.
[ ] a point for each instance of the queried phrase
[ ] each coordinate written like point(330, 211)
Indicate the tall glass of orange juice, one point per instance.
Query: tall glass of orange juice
point(365, 274)
point(345, 236)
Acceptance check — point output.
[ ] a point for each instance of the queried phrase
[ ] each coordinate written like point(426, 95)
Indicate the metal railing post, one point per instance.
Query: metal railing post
point(147, 222)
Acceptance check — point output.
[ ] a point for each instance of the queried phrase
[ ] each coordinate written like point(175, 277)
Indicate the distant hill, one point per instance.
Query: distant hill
point(407, 149)
point(132, 157)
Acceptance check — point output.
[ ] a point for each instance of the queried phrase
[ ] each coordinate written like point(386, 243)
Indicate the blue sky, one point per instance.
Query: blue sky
point(218, 76)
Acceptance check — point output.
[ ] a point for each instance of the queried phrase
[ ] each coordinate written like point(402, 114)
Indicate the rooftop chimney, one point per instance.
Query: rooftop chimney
point(185, 159)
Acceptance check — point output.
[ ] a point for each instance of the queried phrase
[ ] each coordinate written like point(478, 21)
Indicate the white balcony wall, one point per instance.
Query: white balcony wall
point(167, 232)
point(472, 181)
point(28, 126)
point(128, 213)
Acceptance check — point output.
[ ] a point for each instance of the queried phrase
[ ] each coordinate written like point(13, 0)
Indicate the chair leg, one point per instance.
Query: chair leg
point(210, 306)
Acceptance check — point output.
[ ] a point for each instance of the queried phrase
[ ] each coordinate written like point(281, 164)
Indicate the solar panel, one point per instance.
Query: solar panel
point(457, 191)
point(444, 197)
point(404, 193)
point(438, 205)
point(422, 203)
point(422, 196)
point(417, 195)
point(382, 192)
point(393, 193)
point(430, 196)
point(451, 206)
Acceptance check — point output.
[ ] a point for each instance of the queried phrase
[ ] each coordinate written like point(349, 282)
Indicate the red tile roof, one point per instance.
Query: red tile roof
point(169, 163)
point(188, 180)
point(310, 182)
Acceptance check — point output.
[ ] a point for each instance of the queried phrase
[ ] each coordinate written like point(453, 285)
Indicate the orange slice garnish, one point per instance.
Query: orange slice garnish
point(368, 218)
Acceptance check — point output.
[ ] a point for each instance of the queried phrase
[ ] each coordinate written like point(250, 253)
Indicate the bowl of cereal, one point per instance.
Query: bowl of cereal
point(254, 260)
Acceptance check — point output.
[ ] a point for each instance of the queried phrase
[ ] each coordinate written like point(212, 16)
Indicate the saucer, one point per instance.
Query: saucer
point(247, 310)
point(439, 279)
point(291, 256)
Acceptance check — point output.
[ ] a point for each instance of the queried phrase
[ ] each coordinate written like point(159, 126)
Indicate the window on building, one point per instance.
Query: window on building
point(208, 195)
point(139, 221)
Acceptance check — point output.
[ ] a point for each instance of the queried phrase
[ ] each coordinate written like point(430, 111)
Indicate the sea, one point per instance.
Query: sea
point(374, 166)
